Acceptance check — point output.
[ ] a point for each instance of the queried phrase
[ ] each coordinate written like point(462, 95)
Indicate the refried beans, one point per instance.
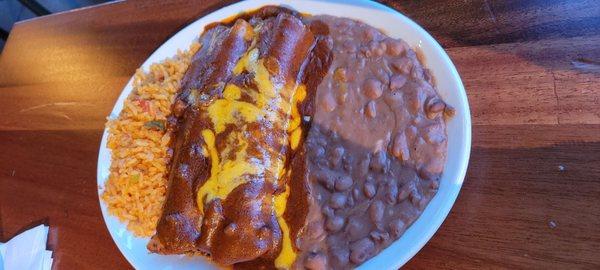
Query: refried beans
point(375, 150)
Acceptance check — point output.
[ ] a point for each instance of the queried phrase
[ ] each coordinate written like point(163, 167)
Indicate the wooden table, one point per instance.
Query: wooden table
point(531, 198)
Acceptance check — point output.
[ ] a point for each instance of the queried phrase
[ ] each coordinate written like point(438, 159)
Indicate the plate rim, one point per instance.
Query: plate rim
point(464, 153)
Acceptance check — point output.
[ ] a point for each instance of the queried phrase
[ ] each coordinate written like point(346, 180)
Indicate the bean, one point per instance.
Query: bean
point(343, 183)
point(370, 34)
point(379, 237)
point(434, 134)
point(371, 109)
point(391, 193)
point(396, 227)
point(360, 250)
point(317, 151)
point(327, 211)
point(337, 200)
point(397, 81)
point(325, 180)
point(380, 49)
point(369, 189)
point(355, 227)
point(395, 47)
point(404, 193)
point(434, 107)
point(356, 193)
point(400, 147)
point(426, 174)
point(372, 88)
point(350, 201)
point(401, 65)
point(340, 256)
point(379, 161)
point(449, 112)
point(335, 156)
point(334, 223)
point(415, 197)
point(315, 261)
point(376, 211)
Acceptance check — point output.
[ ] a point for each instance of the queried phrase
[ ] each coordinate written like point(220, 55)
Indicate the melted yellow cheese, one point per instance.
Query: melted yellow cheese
point(232, 92)
point(228, 110)
point(250, 62)
point(263, 80)
point(296, 118)
point(223, 112)
point(226, 175)
point(209, 140)
point(295, 138)
point(244, 62)
point(287, 256)
point(249, 35)
point(300, 94)
point(230, 167)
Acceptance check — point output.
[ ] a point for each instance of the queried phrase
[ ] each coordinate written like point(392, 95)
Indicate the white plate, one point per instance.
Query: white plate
point(395, 25)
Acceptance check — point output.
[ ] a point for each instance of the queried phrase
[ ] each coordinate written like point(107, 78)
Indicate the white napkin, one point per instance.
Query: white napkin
point(27, 251)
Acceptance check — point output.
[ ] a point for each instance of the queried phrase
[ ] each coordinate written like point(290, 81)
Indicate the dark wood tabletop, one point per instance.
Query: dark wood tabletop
point(531, 198)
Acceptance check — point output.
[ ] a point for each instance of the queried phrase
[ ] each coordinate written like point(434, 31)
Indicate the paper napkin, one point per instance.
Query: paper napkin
point(27, 251)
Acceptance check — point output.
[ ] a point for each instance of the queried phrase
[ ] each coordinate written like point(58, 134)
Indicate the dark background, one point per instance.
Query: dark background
point(12, 11)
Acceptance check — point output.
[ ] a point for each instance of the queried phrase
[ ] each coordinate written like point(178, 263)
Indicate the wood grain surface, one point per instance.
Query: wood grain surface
point(531, 198)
